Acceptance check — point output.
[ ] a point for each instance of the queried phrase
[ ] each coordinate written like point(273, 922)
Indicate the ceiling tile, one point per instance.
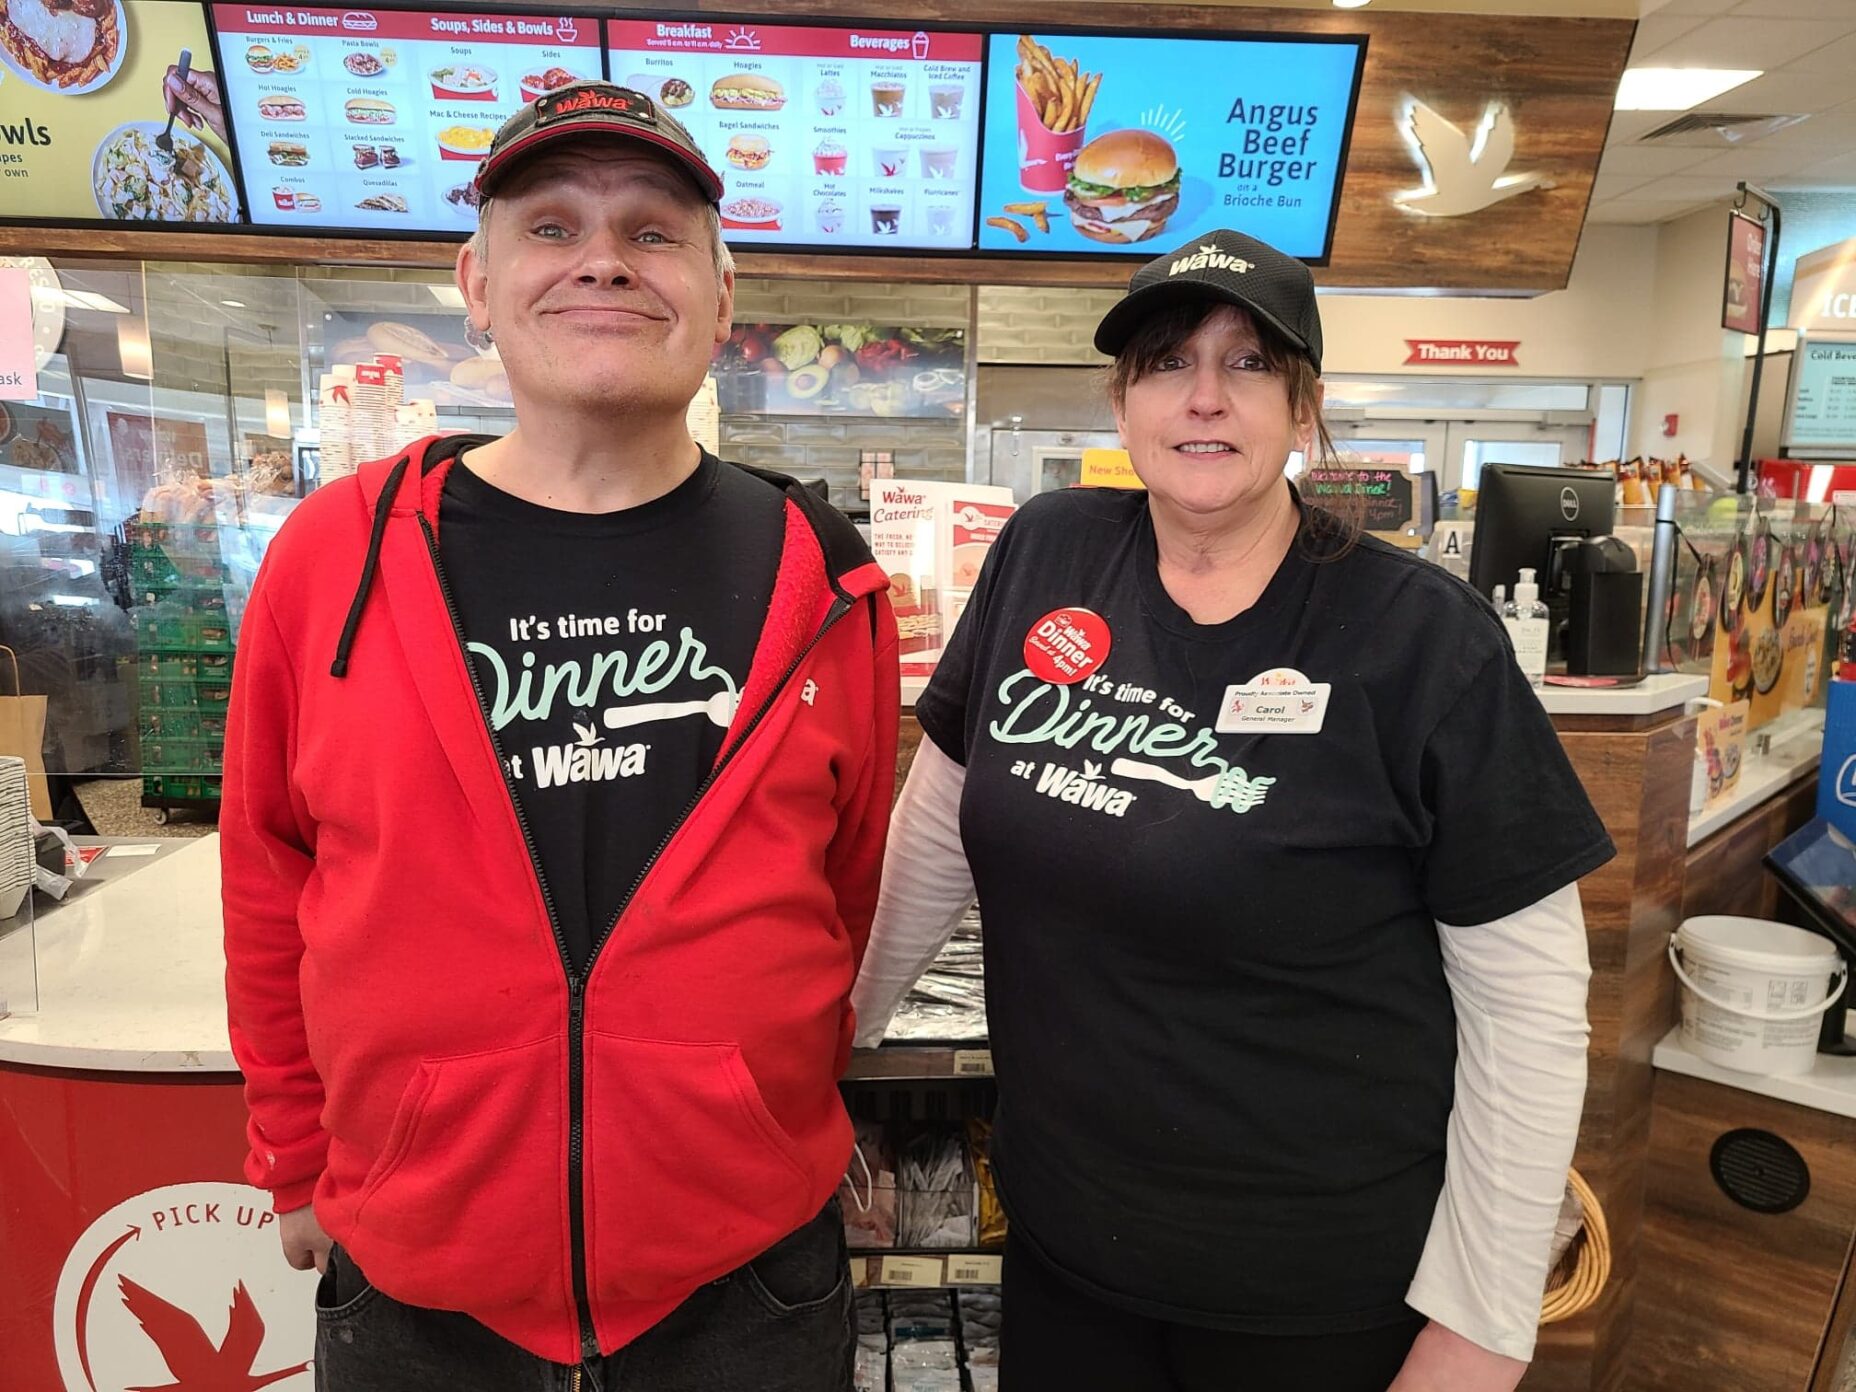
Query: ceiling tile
point(1783, 92)
point(1841, 168)
point(1833, 59)
point(1627, 126)
point(1756, 163)
point(1653, 161)
point(1833, 131)
point(1696, 7)
point(1750, 43)
point(1796, 9)
point(1613, 186)
point(1644, 212)
point(1682, 187)
point(1660, 29)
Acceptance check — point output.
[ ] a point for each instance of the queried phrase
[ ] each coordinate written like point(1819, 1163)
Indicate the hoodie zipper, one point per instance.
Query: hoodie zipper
point(576, 981)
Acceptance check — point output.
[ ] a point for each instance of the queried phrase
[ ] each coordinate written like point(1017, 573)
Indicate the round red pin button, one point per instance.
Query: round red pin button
point(1066, 645)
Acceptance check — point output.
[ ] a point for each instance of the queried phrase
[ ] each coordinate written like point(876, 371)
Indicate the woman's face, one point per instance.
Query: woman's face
point(1209, 429)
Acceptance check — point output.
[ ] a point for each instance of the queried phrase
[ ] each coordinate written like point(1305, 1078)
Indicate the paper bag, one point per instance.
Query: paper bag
point(22, 733)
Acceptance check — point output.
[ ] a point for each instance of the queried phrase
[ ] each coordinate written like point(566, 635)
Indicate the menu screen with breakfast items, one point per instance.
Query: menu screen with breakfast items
point(824, 137)
point(84, 114)
point(1111, 144)
point(376, 120)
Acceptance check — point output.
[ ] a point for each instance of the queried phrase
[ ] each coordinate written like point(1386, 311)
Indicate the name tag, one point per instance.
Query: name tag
point(1252, 709)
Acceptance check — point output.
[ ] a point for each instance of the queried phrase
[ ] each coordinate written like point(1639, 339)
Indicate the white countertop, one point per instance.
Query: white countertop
point(131, 975)
point(1797, 746)
point(1830, 1086)
point(1660, 691)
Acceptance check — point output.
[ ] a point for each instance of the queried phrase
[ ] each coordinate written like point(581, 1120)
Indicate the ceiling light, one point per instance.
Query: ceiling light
point(233, 304)
point(134, 349)
point(447, 295)
point(1351, 4)
point(1677, 89)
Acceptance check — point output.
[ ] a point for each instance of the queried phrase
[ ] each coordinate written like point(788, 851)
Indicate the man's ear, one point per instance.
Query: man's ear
point(473, 280)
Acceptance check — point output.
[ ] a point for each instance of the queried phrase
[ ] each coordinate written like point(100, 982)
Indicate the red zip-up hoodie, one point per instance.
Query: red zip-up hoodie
point(565, 1158)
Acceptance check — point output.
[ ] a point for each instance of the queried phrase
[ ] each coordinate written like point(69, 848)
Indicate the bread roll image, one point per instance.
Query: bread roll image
point(407, 342)
point(474, 374)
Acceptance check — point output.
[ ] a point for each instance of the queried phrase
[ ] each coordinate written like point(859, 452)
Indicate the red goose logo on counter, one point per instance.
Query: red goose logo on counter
point(184, 1289)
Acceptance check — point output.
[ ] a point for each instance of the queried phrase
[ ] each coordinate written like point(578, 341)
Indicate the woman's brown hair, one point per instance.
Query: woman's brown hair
point(1330, 528)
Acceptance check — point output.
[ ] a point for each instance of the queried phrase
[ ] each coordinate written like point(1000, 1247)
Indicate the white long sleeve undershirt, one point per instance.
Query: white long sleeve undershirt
point(1519, 987)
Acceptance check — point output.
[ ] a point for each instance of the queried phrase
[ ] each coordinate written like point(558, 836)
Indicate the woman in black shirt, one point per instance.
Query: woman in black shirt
point(1277, 853)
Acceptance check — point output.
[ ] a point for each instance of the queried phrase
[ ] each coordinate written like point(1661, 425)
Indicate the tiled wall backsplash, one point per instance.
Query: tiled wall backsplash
point(827, 447)
point(1046, 326)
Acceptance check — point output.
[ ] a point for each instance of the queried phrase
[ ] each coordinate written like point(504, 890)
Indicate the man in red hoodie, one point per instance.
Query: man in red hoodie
point(557, 777)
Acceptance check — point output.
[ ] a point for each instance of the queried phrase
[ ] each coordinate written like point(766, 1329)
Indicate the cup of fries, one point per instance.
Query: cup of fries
point(1054, 98)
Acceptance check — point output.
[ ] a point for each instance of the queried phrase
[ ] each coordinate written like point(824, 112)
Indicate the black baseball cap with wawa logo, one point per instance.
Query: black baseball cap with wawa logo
point(1226, 267)
point(592, 109)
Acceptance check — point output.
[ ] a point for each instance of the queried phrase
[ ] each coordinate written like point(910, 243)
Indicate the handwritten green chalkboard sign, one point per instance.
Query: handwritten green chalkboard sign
point(1386, 496)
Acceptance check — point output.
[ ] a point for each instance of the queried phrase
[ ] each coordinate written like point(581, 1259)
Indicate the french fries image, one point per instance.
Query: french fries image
point(1012, 225)
point(1060, 91)
point(1037, 212)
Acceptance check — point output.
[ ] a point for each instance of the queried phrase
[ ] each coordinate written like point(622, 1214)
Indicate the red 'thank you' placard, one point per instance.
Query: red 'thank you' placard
point(1453, 352)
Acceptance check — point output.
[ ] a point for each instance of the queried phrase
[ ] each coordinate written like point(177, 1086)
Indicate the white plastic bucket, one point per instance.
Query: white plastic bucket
point(1752, 991)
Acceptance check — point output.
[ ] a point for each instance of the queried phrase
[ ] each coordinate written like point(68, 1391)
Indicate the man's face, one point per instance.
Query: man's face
point(598, 281)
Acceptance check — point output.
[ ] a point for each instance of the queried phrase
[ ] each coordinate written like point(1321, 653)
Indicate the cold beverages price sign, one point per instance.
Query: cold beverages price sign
point(824, 137)
point(1099, 143)
point(378, 119)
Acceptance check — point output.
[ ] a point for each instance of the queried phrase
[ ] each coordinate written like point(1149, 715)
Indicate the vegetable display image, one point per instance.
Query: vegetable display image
point(848, 369)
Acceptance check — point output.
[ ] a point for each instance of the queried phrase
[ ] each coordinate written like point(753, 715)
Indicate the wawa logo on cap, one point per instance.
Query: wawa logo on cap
point(619, 102)
point(1208, 258)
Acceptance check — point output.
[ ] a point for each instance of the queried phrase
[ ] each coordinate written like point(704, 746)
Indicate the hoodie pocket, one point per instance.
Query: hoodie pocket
point(474, 1164)
point(688, 1175)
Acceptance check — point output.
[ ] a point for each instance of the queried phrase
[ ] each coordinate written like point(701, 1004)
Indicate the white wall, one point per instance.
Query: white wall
point(1695, 369)
point(1598, 326)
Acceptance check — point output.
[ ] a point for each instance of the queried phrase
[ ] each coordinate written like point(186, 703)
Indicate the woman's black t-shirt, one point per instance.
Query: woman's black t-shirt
point(1224, 1042)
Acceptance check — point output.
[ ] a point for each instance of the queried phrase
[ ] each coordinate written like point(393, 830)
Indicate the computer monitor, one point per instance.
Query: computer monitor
point(1526, 517)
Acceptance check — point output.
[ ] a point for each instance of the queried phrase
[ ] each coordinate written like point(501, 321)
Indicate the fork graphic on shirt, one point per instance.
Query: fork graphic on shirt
point(719, 709)
point(1233, 788)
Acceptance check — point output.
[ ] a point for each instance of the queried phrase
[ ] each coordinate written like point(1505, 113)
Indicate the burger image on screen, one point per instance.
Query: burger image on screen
point(747, 92)
point(1123, 187)
point(748, 151)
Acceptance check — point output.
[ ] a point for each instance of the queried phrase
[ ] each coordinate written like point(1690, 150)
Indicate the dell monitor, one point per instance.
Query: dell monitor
point(1530, 518)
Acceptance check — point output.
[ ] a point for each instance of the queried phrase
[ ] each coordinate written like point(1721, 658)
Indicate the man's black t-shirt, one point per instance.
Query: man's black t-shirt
point(612, 650)
point(1224, 1041)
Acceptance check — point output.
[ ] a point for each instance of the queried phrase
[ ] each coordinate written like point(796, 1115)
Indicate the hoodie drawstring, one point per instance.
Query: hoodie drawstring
point(382, 511)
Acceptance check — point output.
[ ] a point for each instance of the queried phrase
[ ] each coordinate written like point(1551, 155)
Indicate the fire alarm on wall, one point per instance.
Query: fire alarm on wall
point(1671, 423)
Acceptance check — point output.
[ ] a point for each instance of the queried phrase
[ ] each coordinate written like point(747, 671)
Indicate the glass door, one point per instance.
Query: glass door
point(1471, 444)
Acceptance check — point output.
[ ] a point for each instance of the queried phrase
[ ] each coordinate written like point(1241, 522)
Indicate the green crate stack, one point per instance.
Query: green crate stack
point(184, 662)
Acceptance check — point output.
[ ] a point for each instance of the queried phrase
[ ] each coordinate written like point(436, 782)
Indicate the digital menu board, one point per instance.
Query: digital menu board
point(376, 119)
point(83, 103)
point(825, 137)
point(1125, 145)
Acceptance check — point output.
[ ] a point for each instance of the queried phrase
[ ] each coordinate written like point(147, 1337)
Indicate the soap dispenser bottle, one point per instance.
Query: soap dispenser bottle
point(1526, 620)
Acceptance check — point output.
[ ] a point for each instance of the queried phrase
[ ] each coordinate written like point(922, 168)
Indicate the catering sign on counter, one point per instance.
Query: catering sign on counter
point(931, 540)
point(1100, 143)
point(82, 106)
point(377, 119)
point(825, 137)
